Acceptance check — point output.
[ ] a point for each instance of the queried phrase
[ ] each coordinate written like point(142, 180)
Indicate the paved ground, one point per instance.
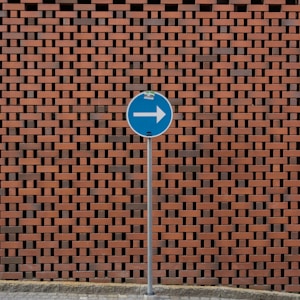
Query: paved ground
point(68, 296)
point(34, 290)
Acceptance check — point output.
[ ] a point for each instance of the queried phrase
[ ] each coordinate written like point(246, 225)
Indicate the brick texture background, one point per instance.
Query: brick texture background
point(226, 173)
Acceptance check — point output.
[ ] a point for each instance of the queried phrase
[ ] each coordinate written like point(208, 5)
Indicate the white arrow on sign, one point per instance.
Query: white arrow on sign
point(159, 114)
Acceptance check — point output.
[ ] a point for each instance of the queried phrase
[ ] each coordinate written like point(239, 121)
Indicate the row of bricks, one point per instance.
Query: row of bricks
point(136, 254)
point(182, 83)
point(213, 52)
point(188, 26)
point(103, 165)
point(187, 82)
point(280, 245)
point(186, 206)
point(210, 271)
point(187, 78)
point(218, 60)
point(157, 2)
point(276, 239)
point(208, 191)
point(205, 224)
point(208, 172)
point(237, 217)
point(219, 88)
point(132, 262)
point(211, 106)
point(134, 9)
point(257, 143)
point(258, 190)
point(230, 131)
point(259, 262)
point(137, 225)
point(193, 87)
point(275, 83)
point(206, 159)
point(135, 211)
point(191, 63)
point(43, 30)
point(216, 43)
point(213, 179)
point(284, 251)
point(86, 131)
point(188, 33)
point(189, 91)
point(47, 116)
point(161, 277)
point(166, 62)
point(212, 277)
point(191, 94)
point(224, 175)
point(211, 268)
point(283, 245)
point(292, 198)
point(269, 180)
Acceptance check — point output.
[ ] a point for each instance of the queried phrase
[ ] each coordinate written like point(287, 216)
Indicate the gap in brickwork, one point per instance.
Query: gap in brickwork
point(188, 1)
point(136, 7)
point(240, 7)
point(274, 8)
point(66, 7)
point(206, 7)
point(153, 2)
point(171, 7)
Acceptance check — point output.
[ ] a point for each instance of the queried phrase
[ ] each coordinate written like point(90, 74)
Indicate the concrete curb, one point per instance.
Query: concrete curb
point(134, 289)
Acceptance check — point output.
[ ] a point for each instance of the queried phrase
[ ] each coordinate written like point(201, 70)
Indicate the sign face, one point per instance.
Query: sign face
point(149, 114)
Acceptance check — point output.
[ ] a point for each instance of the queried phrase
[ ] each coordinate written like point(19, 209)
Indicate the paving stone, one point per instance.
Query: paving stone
point(70, 296)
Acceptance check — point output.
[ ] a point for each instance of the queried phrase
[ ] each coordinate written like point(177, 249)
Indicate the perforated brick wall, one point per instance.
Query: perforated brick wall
point(225, 175)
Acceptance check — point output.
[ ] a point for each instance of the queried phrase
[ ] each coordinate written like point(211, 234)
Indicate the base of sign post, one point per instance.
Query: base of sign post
point(149, 212)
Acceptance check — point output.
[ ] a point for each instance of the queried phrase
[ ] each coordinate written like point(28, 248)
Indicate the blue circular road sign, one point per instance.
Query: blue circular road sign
point(149, 114)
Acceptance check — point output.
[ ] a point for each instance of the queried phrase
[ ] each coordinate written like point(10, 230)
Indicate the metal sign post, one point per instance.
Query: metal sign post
point(149, 214)
point(149, 114)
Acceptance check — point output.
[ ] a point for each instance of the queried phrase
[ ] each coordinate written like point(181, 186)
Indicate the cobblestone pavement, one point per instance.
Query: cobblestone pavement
point(70, 296)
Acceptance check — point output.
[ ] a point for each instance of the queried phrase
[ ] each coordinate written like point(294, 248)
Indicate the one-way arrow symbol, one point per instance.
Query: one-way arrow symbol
point(159, 114)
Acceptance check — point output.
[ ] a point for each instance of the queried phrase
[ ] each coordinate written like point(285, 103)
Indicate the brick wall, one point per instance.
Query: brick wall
point(226, 174)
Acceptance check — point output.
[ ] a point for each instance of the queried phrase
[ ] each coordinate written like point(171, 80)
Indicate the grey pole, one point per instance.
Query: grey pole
point(149, 211)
